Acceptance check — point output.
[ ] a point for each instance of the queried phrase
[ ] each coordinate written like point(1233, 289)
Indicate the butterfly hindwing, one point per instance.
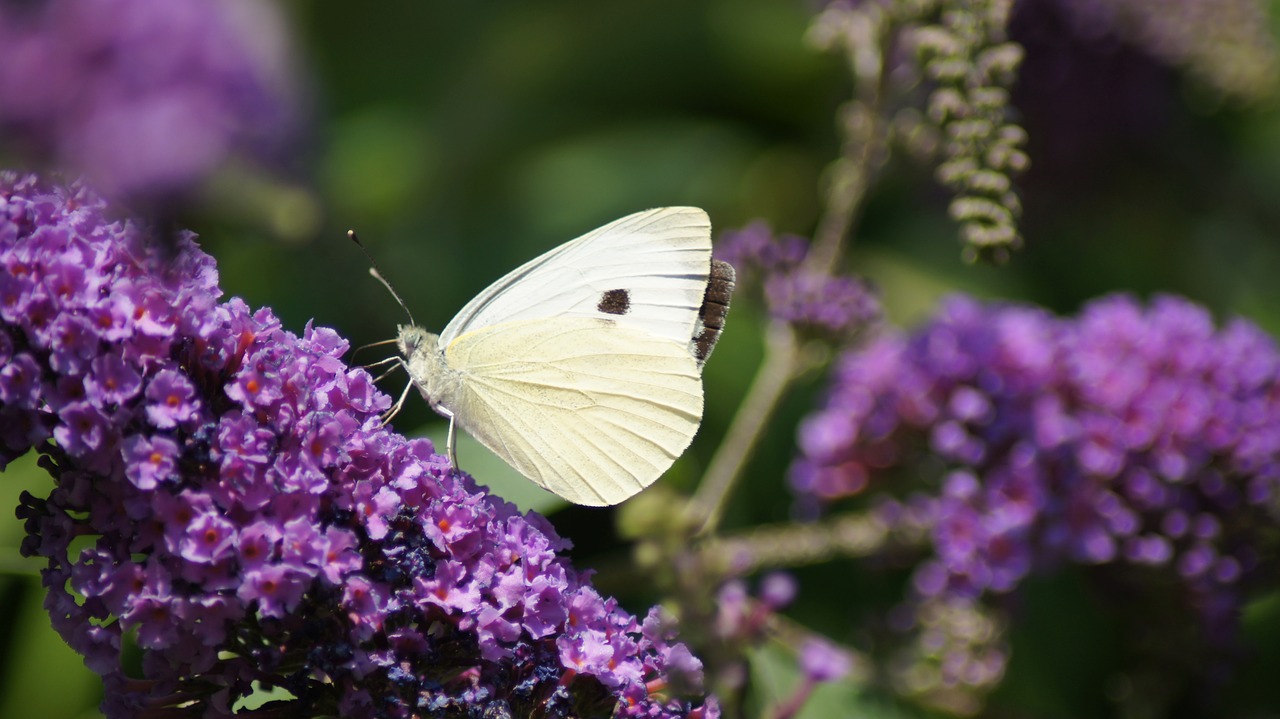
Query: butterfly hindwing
point(588, 408)
point(647, 271)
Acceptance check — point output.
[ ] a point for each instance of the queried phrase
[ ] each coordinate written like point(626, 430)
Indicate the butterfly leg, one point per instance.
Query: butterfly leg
point(395, 409)
point(385, 375)
point(396, 362)
point(450, 442)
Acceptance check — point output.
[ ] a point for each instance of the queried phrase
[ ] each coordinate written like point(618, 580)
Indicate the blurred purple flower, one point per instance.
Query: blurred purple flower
point(239, 512)
point(1129, 434)
point(822, 661)
point(835, 306)
point(146, 99)
point(778, 589)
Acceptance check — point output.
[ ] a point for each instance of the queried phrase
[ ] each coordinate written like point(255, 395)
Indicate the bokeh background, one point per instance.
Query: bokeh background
point(461, 139)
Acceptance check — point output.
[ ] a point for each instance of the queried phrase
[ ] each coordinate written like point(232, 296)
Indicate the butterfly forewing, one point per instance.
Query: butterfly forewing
point(647, 271)
point(589, 408)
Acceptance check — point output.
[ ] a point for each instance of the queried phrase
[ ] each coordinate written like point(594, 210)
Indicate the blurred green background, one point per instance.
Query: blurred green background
point(461, 139)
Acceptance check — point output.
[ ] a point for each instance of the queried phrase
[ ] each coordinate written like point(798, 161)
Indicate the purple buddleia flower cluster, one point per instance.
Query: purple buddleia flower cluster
point(146, 99)
point(1130, 436)
point(813, 301)
point(822, 661)
point(225, 497)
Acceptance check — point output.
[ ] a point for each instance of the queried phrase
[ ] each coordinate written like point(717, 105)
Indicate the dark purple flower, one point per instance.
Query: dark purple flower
point(20, 381)
point(145, 99)
point(450, 588)
point(149, 460)
point(258, 544)
point(1130, 435)
point(822, 661)
point(112, 380)
point(246, 518)
point(778, 589)
point(83, 429)
point(75, 344)
point(170, 399)
point(275, 590)
point(210, 538)
point(830, 305)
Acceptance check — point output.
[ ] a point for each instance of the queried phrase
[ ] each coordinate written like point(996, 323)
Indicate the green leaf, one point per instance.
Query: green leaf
point(775, 677)
point(261, 696)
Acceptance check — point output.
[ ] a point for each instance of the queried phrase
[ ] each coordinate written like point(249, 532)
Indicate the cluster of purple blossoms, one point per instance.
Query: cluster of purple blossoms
point(834, 306)
point(145, 99)
point(226, 498)
point(1128, 436)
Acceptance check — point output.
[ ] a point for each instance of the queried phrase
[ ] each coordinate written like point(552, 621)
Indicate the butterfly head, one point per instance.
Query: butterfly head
point(412, 339)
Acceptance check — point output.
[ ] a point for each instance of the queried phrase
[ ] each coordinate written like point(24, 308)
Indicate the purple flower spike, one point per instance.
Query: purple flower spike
point(146, 99)
point(1130, 435)
point(834, 306)
point(778, 589)
point(171, 399)
point(822, 661)
point(245, 518)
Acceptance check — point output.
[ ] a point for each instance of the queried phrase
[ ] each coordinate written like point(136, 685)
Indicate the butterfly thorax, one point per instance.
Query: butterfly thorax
point(438, 383)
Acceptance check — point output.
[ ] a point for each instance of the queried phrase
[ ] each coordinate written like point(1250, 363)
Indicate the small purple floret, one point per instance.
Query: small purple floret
point(821, 661)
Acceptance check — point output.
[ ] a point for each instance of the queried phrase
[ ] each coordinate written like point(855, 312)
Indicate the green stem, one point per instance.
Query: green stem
point(862, 154)
point(863, 147)
point(796, 545)
point(781, 360)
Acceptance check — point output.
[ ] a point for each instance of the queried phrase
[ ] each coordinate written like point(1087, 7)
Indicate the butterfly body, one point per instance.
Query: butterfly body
point(437, 382)
point(582, 368)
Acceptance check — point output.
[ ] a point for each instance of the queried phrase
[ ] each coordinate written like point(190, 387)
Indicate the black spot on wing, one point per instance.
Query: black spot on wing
point(615, 302)
point(714, 309)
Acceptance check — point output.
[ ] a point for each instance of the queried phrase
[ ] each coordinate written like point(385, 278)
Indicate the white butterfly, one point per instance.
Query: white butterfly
point(582, 368)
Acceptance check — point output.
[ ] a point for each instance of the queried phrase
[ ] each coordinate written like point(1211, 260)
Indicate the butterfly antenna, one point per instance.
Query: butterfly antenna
point(377, 273)
point(371, 345)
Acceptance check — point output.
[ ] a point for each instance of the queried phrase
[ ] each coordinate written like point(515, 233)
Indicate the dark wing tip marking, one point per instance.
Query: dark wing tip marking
point(715, 307)
point(615, 302)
